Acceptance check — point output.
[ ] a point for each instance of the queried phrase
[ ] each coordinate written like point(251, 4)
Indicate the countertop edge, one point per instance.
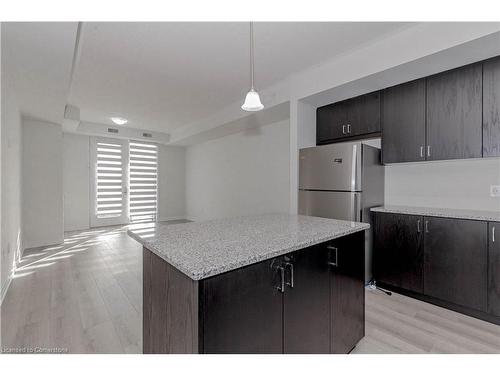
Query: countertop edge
point(240, 264)
point(440, 212)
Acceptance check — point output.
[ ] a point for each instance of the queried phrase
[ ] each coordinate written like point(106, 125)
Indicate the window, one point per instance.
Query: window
point(109, 179)
point(143, 181)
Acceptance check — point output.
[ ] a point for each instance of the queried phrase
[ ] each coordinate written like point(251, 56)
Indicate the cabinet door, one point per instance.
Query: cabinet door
point(491, 108)
point(347, 292)
point(363, 114)
point(455, 261)
point(494, 269)
point(306, 308)
point(403, 122)
point(331, 122)
point(398, 255)
point(454, 125)
point(242, 310)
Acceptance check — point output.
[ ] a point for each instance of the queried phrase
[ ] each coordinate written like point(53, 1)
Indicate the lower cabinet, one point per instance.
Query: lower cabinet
point(399, 256)
point(456, 261)
point(347, 292)
point(452, 262)
point(307, 294)
point(494, 269)
point(309, 301)
point(242, 310)
point(324, 299)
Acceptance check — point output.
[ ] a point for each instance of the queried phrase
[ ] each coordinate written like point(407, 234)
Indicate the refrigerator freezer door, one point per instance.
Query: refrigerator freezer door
point(331, 167)
point(330, 204)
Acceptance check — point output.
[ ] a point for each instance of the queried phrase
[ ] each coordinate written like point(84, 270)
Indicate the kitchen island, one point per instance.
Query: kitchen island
point(272, 283)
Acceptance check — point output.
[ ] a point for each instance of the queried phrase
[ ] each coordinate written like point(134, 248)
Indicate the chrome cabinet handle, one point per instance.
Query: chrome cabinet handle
point(281, 287)
point(419, 230)
point(421, 151)
point(428, 150)
point(349, 128)
point(291, 282)
point(343, 129)
point(493, 234)
point(427, 226)
point(336, 263)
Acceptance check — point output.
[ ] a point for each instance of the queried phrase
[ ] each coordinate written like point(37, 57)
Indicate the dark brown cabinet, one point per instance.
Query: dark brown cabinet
point(242, 310)
point(325, 282)
point(331, 122)
point(494, 269)
point(455, 261)
point(308, 301)
point(363, 114)
point(454, 114)
point(347, 292)
point(349, 118)
point(451, 115)
point(307, 294)
point(403, 122)
point(491, 107)
point(450, 262)
point(399, 254)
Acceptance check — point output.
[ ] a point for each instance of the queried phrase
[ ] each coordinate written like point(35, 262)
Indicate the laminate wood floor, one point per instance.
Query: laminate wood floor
point(86, 296)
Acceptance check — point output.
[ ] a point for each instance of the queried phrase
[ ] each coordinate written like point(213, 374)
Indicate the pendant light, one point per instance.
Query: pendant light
point(252, 100)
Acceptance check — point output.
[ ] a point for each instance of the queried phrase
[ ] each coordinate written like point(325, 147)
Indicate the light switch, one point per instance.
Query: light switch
point(495, 190)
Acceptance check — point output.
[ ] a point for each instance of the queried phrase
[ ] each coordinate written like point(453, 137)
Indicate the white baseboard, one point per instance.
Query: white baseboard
point(5, 289)
point(38, 244)
point(169, 218)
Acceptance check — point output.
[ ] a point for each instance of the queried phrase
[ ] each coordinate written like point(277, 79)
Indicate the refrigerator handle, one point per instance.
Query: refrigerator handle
point(357, 207)
point(354, 168)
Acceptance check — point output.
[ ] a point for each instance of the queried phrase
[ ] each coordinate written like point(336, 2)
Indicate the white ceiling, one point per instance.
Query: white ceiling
point(36, 66)
point(162, 76)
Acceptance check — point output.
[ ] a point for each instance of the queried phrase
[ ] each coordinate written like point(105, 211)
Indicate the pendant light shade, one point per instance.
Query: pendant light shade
point(252, 100)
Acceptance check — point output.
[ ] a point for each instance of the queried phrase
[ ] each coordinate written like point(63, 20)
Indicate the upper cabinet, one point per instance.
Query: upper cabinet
point(349, 118)
point(491, 107)
point(331, 122)
point(403, 122)
point(363, 114)
point(450, 115)
point(454, 114)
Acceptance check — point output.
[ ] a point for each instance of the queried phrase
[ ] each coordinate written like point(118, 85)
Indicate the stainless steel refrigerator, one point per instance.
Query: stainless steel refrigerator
point(342, 181)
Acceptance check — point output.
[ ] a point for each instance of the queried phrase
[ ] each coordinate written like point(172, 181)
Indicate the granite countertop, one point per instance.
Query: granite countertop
point(441, 212)
point(208, 248)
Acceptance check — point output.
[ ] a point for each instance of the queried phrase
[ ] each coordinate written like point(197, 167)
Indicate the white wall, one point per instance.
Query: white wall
point(240, 174)
point(42, 184)
point(1, 121)
point(172, 183)
point(76, 179)
point(11, 240)
point(76, 182)
point(447, 184)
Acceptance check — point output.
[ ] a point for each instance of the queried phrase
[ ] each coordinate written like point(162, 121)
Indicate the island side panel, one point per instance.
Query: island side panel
point(170, 308)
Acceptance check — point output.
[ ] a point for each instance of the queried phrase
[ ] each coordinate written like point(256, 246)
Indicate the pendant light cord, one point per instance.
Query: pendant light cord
point(251, 55)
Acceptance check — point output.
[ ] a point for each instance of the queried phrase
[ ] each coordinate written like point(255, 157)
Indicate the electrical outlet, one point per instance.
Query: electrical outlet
point(495, 190)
